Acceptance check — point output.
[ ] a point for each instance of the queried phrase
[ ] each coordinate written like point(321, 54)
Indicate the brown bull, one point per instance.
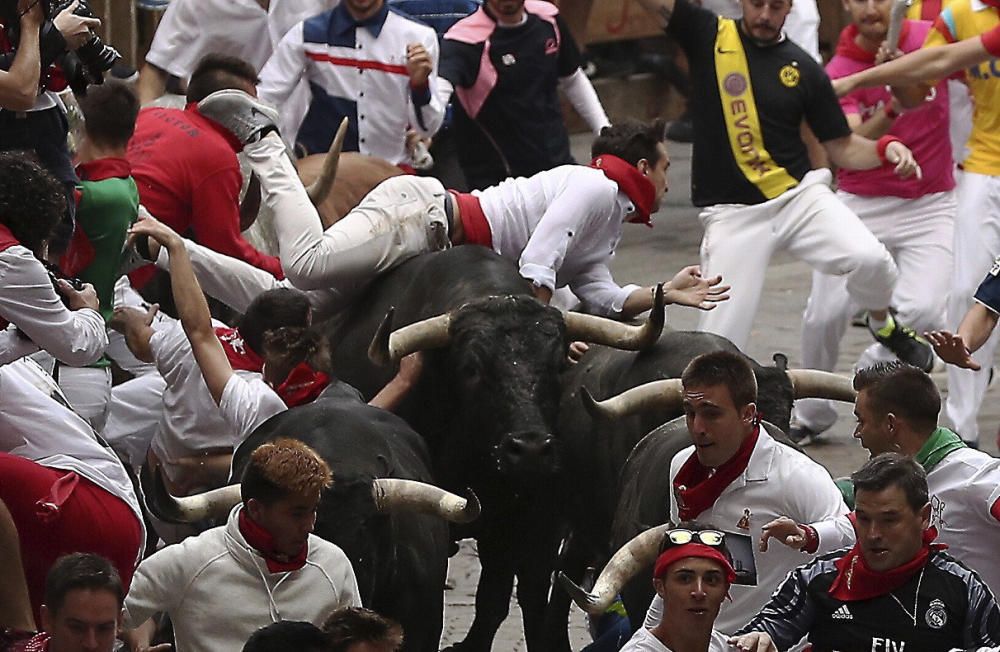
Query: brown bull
point(357, 174)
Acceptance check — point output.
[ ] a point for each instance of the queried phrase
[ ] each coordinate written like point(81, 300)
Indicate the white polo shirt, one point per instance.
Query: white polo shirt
point(644, 641)
point(247, 403)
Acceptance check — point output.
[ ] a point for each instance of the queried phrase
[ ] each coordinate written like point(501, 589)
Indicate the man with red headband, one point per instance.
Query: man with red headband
point(895, 590)
point(692, 575)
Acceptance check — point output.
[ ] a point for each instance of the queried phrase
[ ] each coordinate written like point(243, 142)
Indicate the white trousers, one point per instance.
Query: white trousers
point(136, 406)
point(977, 243)
point(918, 233)
point(402, 217)
point(812, 224)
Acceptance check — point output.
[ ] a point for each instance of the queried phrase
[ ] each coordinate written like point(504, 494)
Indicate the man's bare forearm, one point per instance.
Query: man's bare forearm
point(976, 326)
point(20, 83)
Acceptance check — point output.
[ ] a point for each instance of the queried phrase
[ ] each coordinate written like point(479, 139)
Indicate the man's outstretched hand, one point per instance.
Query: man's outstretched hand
point(951, 348)
point(690, 288)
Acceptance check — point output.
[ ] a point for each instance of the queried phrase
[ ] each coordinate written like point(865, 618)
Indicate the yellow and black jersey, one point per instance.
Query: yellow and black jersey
point(748, 103)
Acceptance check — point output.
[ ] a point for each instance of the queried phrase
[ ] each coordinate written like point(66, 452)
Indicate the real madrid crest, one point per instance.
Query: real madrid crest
point(789, 74)
point(936, 616)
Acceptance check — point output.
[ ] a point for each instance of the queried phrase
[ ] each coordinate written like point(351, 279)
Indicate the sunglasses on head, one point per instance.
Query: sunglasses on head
point(712, 538)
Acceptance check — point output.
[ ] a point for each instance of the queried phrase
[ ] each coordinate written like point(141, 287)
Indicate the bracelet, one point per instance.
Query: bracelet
point(882, 144)
point(890, 112)
point(811, 539)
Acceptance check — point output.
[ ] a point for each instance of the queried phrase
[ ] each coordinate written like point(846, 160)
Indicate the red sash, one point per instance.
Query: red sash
point(477, 229)
point(855, 581)
point(241, 357)
point(630, 181)
point(697, 491)
point(263, 542)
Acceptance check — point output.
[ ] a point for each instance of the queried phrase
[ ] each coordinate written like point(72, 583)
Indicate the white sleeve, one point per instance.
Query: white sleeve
point(159, 584)
point(282, 72)
point(28, 301)
point(598, 290)
point(583, 97)
point(171, 351)
point(818, 502)
point(562, 221)
point(247, 404)
point(14, 346)
point(173, 47)
point(426, 107)
point(833, 534)
point(232, 281)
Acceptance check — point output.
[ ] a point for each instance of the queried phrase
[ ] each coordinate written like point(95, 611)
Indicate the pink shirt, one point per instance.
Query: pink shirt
point(924, 129)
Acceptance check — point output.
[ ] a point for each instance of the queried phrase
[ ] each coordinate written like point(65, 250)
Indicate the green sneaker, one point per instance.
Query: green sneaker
point(906, 344)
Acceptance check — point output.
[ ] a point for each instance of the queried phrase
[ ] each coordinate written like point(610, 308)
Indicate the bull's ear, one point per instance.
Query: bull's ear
point(387, 469)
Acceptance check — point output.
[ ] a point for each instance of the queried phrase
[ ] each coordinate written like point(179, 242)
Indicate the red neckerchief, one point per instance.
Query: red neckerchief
point(855, 581)
point(233, 141)
point(263, 542)
point(697, 491)
point(104, 168)
point(848, 47)
point(302, 385)
point(241, 357)
point(630, 181)
point(992, 3)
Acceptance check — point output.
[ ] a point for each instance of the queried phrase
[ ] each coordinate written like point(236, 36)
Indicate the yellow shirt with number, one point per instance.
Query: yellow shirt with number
point(962, 19)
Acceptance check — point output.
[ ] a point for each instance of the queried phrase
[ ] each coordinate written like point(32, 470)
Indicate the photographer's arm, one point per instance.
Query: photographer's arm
point(19, 84)
point(152, 83)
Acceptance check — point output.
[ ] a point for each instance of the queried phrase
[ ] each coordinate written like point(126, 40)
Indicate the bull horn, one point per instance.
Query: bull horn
point(599, 330)
point(391, 494)
point(323, 184)
point(631, 558)
point(663, 394)
point(811, 383)
point(186, 510)
point(390, 346)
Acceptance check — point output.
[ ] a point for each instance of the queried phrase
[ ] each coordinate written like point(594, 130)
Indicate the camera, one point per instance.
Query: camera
point(81, 68)
point(56, 275)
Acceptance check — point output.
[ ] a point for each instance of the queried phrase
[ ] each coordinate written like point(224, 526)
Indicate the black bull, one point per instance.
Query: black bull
point(487, 404)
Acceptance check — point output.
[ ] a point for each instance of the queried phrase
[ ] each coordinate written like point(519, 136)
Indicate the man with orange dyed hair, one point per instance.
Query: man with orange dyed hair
point(265, 560)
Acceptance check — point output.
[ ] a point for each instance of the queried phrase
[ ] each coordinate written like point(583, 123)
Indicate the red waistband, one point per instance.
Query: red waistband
point(477, 229)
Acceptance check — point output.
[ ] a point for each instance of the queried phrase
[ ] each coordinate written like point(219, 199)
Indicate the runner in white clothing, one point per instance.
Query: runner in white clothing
point(897, 410)
point(562, 225)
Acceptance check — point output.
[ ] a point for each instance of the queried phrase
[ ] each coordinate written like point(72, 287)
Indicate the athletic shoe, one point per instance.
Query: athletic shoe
point(803, 436)
point(681, 130)
point(242, 115)
point(906, 344)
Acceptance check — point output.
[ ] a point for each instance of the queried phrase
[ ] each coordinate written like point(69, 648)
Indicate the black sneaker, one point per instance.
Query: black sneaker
point(907, 345)
point(244, 117)
point(802, 435)
point(681, 130)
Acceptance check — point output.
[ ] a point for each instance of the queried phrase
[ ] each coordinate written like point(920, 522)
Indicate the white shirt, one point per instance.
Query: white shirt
point(218, 590)
point(963, 487)
point(644, 641)
point(248, 402)
point(28, 301)
point(368, 73)
point(37, 424)
point(190, 29)
point(778, 481)
point(190, 421)
point(562, 226)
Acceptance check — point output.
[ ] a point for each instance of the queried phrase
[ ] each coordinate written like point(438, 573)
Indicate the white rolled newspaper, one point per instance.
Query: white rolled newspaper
point(896, 16)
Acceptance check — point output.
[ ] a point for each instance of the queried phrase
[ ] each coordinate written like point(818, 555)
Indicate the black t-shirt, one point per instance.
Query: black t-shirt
point(519, 130)
point(715, 176)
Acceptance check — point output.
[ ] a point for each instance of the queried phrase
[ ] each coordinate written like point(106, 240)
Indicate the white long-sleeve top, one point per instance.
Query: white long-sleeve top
point(218, 590)
point(37, 424)
point(359, 73)
point(29, 302)
point(562, 226)
point(778, 481)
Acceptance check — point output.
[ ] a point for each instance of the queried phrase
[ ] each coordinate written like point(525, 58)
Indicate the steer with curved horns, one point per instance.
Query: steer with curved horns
point(643, 387)
point(382, 509)
point(486, 403)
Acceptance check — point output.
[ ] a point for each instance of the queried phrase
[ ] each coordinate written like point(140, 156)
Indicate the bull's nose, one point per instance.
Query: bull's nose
point(527, 447)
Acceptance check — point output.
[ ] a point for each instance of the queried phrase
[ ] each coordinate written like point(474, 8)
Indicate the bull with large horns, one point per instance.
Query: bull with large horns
point(382, 509)
point(487, 404)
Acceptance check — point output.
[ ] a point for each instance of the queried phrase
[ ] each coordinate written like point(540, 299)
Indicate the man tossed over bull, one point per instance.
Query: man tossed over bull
point(894, 590)
point(561, 226)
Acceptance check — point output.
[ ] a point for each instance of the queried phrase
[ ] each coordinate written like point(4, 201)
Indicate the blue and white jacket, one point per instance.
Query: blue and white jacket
point(356, 70)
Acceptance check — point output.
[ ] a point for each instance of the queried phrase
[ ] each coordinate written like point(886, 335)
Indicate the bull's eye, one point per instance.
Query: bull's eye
point(470, 373)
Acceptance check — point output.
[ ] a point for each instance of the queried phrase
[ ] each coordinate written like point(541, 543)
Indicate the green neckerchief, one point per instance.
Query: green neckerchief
point(938, 446)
